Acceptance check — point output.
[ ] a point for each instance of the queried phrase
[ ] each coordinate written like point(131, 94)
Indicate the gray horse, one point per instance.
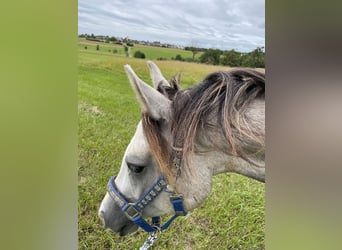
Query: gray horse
point(186, 137)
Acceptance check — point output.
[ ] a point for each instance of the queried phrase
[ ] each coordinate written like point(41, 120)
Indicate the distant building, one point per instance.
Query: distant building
point(156, 43)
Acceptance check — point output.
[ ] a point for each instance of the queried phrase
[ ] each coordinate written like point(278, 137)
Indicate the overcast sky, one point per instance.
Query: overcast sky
point(222, 24)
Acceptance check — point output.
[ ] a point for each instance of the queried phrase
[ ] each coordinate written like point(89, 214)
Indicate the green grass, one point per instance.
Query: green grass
point(231, 218)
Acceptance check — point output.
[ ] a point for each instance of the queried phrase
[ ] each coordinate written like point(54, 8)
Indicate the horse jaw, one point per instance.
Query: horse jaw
point(196, 188)
point(194, 192)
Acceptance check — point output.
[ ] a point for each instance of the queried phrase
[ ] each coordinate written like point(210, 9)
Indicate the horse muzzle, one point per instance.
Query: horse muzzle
point(113, 218)
point(133, 212)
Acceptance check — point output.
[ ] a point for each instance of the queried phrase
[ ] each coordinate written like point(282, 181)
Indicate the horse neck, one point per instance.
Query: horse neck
point(211, 161)
point(215, 153)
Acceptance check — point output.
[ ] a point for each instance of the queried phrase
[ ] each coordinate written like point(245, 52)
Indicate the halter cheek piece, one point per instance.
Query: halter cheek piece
point(133, 211)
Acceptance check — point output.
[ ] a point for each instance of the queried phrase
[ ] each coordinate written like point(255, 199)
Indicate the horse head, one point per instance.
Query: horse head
point(154, 165)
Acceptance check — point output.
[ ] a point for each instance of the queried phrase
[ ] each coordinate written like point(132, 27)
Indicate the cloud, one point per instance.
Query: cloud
point(223, 24)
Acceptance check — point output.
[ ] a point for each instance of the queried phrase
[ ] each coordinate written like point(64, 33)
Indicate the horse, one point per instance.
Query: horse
point(183, 139)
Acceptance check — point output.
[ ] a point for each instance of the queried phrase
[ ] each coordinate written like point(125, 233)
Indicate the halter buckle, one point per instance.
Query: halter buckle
point(131, 212)
point(177, 202)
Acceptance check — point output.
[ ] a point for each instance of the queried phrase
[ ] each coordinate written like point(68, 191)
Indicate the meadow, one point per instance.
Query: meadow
point(151, 53)
point(233, 216)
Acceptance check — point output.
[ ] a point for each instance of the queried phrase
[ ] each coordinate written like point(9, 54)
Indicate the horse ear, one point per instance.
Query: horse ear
point(156, 75)
point(151, 101)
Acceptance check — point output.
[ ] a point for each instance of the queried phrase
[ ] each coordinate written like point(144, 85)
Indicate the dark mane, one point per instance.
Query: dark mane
point(224, 96)
point(172, 90)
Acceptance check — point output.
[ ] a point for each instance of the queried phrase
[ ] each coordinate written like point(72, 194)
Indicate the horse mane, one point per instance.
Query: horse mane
point(225, 93)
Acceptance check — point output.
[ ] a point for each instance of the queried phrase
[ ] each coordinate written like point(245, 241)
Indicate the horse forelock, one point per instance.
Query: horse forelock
point(171, 90)
point(152, 128)
point(223, 95)
point(160, 148)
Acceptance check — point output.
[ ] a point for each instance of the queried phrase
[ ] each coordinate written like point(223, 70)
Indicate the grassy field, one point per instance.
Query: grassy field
point(151, 53)
point(233, 215)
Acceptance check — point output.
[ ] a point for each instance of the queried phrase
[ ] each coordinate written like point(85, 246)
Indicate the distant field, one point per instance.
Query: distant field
point(151, 53)
point(233, 215)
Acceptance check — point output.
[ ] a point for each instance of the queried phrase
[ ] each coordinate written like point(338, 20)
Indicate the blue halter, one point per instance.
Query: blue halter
point(133, 211)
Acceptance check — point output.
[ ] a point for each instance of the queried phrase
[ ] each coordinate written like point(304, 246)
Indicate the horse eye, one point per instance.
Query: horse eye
point(135, 168)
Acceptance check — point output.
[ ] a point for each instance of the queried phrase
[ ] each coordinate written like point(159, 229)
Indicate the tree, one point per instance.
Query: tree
point(258, 56)
point(126, 48)
point(255, 58)
point(194, 51)
point(139, 54)
point(112, 39)
point(97, 47)
point(193, 48)
point(179, 57)
point(211, 56)
point(231, 58)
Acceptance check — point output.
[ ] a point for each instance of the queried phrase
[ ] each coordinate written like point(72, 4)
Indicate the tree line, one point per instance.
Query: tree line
point(232, 58)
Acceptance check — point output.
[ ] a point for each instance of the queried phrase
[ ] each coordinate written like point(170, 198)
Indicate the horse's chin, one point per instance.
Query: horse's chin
point(130, 228)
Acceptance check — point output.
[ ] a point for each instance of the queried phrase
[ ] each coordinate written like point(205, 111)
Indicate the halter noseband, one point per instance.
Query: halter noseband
point(133, 211)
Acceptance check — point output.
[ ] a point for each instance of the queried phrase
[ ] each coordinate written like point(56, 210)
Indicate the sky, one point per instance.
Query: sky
point(221, 24)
